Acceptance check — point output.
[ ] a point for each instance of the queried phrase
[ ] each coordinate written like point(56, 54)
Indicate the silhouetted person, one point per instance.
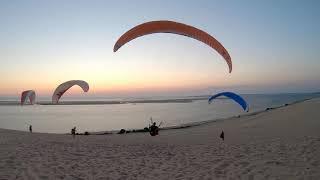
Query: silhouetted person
point(30, 128)
point(73, 132)
point(154, 130)
point(222, 135)
point(122, 131)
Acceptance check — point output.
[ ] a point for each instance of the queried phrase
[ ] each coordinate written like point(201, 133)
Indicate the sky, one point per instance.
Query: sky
point(274, 45)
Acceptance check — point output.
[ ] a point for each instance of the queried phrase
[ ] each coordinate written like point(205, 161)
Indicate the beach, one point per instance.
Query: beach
point(281, 143)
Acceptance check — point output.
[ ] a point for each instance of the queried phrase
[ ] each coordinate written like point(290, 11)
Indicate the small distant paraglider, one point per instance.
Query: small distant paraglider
point(237, 98)
point(62, 88)
point(174, 28)
point(29, 94)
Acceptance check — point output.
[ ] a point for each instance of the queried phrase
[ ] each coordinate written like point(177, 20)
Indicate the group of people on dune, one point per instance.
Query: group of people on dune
point(153, 129)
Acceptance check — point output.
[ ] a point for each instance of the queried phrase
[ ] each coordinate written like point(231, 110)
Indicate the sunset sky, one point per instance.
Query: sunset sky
point(274, 45)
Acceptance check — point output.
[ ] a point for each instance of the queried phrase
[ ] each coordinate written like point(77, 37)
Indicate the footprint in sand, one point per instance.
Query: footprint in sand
point(221, 169)
point(279, 163)
point(244, 163)
point(315, 163)
point(43, 177)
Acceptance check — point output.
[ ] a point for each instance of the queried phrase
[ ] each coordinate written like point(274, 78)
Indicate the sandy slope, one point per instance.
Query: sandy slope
point(278, 144)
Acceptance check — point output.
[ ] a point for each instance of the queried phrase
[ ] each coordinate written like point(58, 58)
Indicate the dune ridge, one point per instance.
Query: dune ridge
point(282, 143)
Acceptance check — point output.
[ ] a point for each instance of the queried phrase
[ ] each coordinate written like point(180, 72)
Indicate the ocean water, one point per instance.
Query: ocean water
point(108, 117)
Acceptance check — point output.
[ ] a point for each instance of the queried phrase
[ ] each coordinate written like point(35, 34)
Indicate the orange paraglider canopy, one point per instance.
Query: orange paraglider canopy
point(175, 28)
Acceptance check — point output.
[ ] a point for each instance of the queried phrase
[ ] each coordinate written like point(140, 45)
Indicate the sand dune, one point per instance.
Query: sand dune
point(279, 144)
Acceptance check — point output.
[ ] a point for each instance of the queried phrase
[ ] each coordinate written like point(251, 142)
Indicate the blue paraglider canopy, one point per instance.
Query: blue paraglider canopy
point(233, 96)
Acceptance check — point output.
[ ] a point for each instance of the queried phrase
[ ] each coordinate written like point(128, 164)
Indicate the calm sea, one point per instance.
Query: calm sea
point(106, 117)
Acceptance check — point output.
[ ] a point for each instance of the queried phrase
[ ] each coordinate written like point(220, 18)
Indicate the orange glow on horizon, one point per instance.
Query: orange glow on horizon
point(102, 86)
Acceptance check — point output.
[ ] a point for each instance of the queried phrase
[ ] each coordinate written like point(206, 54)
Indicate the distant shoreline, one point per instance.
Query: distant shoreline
point(182, 99)
point(185, 100)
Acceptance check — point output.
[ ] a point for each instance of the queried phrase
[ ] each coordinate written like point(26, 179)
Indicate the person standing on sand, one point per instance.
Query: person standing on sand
point(30, 128)
point(222, 135)
point(73, 132)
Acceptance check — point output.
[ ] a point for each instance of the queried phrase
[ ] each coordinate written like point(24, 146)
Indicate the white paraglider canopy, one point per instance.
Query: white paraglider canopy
point(62, 88)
